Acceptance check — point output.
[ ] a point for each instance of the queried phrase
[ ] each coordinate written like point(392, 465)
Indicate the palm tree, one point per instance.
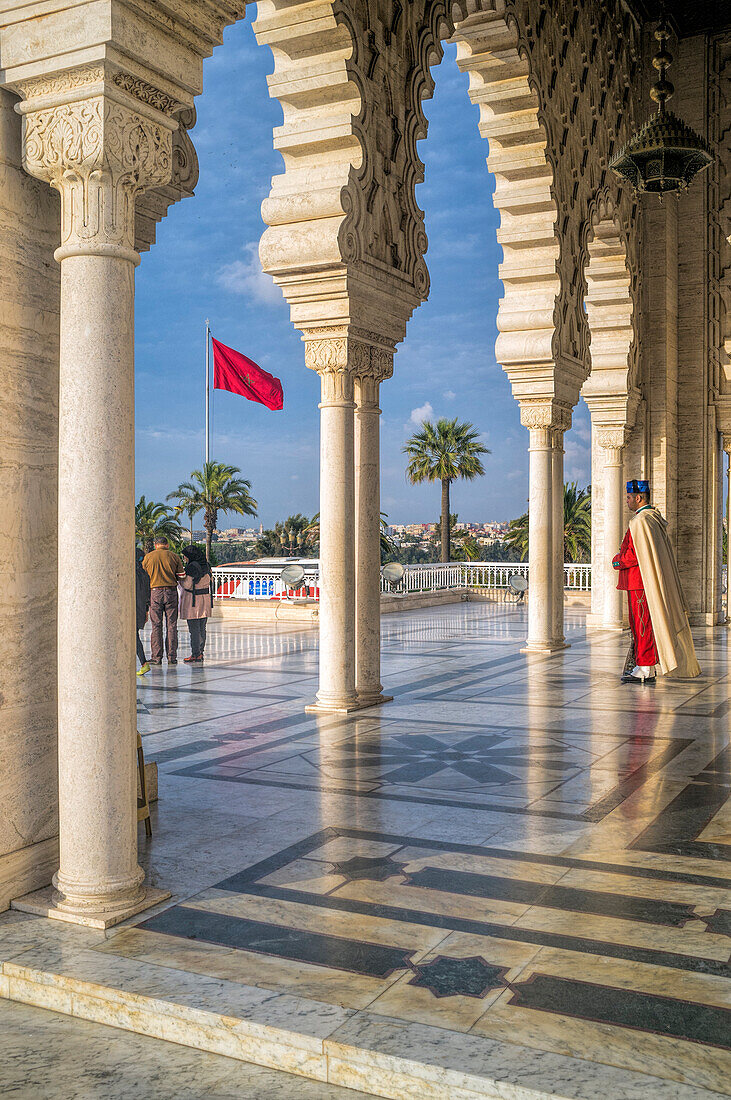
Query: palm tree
point(154, 520)
point(312, 533)
point(185, 502)
point(576, 522)
point(577, 526)
point(388, 546)
point(267, 544)
point(216, 489)
point(445, 451)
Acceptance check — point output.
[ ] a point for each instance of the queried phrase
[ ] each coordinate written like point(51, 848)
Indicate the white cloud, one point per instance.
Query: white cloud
point(449, 395)
point(424, 412)
point(246, 277)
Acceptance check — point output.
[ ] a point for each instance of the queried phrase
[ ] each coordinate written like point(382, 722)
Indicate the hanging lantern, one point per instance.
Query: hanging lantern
point(665, 154)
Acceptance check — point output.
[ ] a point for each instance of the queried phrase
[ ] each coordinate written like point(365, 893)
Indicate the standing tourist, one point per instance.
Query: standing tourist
point(657, 613)
point(195, 599)
point(142, 596)
point(162, 567)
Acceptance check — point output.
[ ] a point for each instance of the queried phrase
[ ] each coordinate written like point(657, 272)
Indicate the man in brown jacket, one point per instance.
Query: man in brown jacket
point(163, 567)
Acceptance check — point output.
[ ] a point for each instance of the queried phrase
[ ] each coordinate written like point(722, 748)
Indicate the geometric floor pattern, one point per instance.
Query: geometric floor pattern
point(518, 848)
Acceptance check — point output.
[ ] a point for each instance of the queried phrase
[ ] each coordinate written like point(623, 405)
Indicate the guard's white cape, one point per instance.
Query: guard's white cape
point(665, 599)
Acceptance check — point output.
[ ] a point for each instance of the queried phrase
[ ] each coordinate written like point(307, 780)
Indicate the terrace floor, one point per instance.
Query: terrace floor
point(512, 880)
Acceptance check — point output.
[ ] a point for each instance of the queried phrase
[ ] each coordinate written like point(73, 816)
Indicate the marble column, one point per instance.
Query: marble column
point(726, 446)
point(540, 540)
point(329, 357)
point(611, 442)
point(557, 579)
point(99, 152)
point(546, 421)
point(368, 530)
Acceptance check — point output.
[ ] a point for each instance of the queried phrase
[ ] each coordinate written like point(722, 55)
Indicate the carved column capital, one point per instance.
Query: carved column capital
point(548, 415)
point(343, 358)
point(612, 440)
point(99, 143)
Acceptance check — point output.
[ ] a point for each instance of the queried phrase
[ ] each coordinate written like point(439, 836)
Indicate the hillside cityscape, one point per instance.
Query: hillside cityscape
point(411, 543)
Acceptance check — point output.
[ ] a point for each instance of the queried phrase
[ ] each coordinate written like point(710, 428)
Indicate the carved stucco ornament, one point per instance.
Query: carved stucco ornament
point(99, 155)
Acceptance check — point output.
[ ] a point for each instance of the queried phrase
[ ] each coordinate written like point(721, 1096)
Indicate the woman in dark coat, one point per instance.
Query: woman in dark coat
point(195, 599)
point(142, 593)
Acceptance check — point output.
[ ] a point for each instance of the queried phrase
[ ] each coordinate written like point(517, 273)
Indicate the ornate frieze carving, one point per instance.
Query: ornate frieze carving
point(60, 84)
point(146, 93)
point(99, 156)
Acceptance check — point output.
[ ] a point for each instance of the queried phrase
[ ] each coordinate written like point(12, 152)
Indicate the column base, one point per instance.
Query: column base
point(374, 700)
point(545, 647)
point(597, 623)
point(42, 904)
point(346, 708)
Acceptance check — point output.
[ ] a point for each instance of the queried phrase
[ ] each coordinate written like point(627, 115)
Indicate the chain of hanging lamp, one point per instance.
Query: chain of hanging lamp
point(664, 155)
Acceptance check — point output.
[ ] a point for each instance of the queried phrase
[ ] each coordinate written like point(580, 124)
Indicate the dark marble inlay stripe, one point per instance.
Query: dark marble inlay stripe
point(655, 956)
point(504, 663)
point(199, 770)
point(354, 956)
point(696, 1023)
point(636, 779)
point(675, 829)
point(191, 747)
point(574, 899)
point(311, 843)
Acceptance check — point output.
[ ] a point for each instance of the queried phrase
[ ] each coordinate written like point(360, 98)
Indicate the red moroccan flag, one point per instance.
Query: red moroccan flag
point(236, 373)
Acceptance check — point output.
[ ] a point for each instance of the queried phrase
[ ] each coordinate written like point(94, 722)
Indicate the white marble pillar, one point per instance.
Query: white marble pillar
point(611, 444)
point(557, 579)
point(725, 516)
point(368, 538)
point(540, 541)
point(98, 152)
point(337, 526)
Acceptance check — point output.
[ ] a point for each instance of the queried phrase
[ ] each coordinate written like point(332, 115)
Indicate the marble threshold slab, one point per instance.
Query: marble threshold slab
point(352, 1048)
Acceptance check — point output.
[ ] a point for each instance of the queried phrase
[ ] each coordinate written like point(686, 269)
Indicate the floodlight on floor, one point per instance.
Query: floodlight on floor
point(393, 573)
point(292, 576)
point(518, 586)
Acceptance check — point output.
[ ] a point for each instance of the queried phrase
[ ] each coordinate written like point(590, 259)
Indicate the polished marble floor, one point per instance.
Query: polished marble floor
point(518, 849)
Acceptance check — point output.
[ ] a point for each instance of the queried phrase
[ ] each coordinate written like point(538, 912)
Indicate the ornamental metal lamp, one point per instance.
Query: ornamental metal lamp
point(665, 154)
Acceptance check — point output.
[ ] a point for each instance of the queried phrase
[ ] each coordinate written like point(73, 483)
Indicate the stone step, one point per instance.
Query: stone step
point(76, 973)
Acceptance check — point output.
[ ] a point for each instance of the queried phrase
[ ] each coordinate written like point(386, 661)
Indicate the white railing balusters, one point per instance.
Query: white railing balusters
point(260, 582)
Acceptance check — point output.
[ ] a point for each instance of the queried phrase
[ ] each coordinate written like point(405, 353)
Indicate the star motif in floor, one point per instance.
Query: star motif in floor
point(376, 868)
point(471, 977)
point(483, 758)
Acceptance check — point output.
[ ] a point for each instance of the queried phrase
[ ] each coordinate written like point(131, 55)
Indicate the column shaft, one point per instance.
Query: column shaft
point(367, 542)
point(557, 580)
point(613, 611)
point(337, 552)
point(96, 610)
point(540, 541)
point(99, 151)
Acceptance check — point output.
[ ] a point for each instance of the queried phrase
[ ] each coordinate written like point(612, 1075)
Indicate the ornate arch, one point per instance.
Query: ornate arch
point(554, 83)
point(612, 387)
point(503, 86)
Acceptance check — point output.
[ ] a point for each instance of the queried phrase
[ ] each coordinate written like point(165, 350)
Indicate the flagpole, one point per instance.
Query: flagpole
point(208, 390)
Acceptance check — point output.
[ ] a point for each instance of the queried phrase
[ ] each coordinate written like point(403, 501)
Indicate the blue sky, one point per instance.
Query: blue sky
point(205, 264)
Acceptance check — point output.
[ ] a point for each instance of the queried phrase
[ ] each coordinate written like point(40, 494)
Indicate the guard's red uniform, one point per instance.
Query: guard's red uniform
point(630, 581)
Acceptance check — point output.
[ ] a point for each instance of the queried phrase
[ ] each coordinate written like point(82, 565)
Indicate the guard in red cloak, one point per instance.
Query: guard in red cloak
point(630, 581)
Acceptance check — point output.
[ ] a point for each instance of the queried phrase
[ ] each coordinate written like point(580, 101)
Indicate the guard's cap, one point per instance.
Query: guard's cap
point(636, 486)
